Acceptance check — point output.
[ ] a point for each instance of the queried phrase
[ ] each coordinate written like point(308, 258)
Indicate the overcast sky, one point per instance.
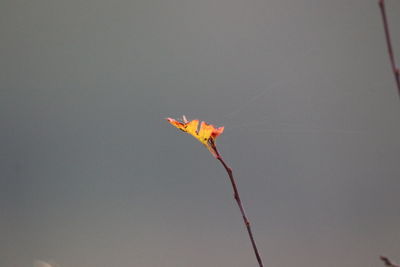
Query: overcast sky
point(92, 175)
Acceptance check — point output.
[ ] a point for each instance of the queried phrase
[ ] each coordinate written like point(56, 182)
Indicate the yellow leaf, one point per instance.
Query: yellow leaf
point(206, 134)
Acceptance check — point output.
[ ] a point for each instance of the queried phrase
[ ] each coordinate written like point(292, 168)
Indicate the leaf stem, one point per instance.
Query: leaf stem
point(239, 203)
point(396, 71)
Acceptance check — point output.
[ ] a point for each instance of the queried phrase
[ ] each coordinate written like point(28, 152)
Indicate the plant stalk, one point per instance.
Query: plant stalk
point(239, 203)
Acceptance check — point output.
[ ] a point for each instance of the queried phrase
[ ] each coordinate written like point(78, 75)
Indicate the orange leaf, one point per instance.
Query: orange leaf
point(206, 134)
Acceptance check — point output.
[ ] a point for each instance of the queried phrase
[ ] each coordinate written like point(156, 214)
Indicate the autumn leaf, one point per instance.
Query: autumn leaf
point(206, 133)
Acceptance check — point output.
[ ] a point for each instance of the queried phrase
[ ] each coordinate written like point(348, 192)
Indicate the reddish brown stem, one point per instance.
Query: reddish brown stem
point(396, 71)
point(239, 203)
point(388, 262)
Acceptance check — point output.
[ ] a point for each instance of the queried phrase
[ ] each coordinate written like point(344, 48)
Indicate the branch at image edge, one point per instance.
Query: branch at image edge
point(388, 262)
point(395, 69)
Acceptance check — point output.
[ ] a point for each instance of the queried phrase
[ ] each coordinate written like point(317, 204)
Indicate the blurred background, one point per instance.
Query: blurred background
point(92, 175)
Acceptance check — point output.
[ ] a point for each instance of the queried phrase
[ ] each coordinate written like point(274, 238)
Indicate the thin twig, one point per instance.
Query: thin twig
point(239, 203)
point(388, 262)
point(395, 69)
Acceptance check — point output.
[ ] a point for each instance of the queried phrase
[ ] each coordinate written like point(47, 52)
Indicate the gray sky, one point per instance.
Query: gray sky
point(91, 175)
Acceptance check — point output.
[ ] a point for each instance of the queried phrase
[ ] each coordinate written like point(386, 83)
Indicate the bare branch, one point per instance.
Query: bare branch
point(239, 203)
point(395, 69)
